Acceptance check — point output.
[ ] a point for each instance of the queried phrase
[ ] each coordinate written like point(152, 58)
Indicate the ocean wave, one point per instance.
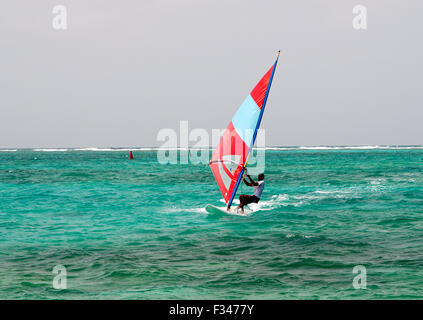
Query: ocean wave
point(113, 149)
point(367, 147)
point(100, 149)
point(193, 210)
point(8, 150)
point(297, 200)
point(303, 236)
point(50, 150)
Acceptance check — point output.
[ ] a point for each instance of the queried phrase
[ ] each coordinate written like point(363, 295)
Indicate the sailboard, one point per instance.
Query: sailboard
point(215, 210)
point(219, 211)
point(229, 160)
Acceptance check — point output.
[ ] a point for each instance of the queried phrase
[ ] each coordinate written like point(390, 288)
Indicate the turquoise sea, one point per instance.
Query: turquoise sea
point(136, 229)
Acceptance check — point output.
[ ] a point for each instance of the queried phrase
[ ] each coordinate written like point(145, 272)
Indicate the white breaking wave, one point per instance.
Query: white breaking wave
point(8, 150)
point(175, 209)
point(369, 147)
point(283, 200)
point(113, 149)
point(51, 150)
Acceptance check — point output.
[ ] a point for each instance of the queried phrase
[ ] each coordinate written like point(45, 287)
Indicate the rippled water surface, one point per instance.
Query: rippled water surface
point(137, 229)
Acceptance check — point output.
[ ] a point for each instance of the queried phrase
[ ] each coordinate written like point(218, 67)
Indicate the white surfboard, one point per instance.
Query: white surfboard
point(216, 210)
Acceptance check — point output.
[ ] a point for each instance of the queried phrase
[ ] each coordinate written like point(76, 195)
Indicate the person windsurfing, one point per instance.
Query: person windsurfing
point(245, 199)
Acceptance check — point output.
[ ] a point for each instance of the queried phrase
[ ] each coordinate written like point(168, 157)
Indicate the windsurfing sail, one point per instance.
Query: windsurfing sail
point(231, 155)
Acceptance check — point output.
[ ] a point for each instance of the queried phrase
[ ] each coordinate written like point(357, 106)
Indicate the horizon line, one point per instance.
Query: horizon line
point(153, 148)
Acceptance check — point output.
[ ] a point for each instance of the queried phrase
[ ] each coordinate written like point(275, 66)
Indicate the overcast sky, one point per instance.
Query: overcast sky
point(123, 70)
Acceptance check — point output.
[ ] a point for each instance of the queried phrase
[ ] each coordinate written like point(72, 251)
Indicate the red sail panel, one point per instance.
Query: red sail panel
point(228, 160)
point(259, 91)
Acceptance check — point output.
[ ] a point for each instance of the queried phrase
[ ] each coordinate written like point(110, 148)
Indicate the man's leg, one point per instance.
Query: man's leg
point(241, 202)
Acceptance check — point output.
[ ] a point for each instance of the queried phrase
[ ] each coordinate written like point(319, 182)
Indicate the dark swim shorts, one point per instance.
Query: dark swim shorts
point(247, 199)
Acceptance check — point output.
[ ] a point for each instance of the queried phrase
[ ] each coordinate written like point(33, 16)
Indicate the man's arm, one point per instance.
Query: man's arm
point(246, 182)
point(252, 182)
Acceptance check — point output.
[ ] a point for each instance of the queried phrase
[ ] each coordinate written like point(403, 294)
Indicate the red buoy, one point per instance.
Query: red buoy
point(130, 155)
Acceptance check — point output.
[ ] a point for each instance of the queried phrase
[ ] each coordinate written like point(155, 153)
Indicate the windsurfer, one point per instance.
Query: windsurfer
point(245, 199)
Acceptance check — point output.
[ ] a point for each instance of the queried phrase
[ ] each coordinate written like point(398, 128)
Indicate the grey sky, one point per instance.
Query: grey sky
point(125, 69)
